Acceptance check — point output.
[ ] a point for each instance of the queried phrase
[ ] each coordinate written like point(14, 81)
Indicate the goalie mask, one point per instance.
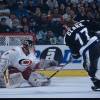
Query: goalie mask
point(28, 43)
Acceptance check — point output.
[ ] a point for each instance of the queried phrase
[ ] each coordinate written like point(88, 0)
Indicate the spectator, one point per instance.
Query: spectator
point(8, 20)
point(50, 38)
point(5, 12)
point(56, 20)
point(15, 23)
point(90, 15)
point(44, 22)
point(75, 1)
point(52, 4)
point(30, 6)
point(16, 26)
point(32, 25)
point(40, 15)
point(81, 14)
point(38, 12)
point(3, 26)
point(3, 8)
point(37, 18)
point(67, 13)
point(20, 10)
point(61, 9)
point(24, 21)
point(35, 3)
point(61, 37)
point(40, 37)
point(73, 15)
point(44, 7)
point(25, 29)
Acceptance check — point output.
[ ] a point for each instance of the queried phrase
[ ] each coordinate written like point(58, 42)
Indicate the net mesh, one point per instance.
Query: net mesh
point(13, 40)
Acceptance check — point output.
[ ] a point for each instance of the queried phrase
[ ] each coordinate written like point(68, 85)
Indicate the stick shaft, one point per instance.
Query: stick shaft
point(58, 70)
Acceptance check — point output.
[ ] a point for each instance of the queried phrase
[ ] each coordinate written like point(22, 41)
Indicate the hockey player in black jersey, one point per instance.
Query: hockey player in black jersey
point(83, 41)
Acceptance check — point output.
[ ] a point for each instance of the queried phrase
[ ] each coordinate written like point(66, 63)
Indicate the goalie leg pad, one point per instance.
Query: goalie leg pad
point(2, 81)
point(15, 80)
point(37, 79)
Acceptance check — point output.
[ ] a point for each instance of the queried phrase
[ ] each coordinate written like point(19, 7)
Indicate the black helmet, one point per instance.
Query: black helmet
point(28, 43)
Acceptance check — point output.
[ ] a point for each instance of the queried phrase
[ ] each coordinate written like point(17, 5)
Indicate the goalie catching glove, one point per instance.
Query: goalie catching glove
point(37, 79)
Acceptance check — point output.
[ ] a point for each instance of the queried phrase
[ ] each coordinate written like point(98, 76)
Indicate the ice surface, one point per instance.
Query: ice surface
point(66, 87)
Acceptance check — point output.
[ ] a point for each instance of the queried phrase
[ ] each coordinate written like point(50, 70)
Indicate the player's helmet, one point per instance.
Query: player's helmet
point(28, 43)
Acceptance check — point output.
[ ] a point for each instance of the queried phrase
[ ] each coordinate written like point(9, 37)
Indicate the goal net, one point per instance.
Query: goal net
point(8, 40)
point(14, 39)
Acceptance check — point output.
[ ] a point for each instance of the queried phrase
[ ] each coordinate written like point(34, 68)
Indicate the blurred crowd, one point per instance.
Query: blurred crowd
point(45, 18)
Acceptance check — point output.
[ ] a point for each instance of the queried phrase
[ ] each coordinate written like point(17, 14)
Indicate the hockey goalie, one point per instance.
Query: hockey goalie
point(17, 65)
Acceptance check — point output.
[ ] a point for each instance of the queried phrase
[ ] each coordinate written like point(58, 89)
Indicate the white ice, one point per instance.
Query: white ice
point(66, 87)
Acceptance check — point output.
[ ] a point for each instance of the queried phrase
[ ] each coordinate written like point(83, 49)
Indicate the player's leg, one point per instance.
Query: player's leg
point(86, 60)
point(90, 62)
point(94, 57)
point(92, 74)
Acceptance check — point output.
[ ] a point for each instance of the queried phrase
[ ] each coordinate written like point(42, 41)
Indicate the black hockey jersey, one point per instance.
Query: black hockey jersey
point(81, 36)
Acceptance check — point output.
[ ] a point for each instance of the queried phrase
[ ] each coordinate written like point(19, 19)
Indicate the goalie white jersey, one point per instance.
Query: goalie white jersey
point(19, 60)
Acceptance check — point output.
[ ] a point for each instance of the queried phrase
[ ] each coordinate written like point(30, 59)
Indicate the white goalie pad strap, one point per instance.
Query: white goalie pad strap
point(37, 80)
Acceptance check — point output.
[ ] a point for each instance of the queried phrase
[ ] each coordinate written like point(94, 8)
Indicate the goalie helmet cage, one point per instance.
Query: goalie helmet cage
point(15, 39)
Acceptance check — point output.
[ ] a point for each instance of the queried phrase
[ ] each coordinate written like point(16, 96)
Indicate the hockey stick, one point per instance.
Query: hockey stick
point(59, 69)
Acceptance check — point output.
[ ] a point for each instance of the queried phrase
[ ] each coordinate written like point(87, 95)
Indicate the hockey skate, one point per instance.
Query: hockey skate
point(96, 83)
